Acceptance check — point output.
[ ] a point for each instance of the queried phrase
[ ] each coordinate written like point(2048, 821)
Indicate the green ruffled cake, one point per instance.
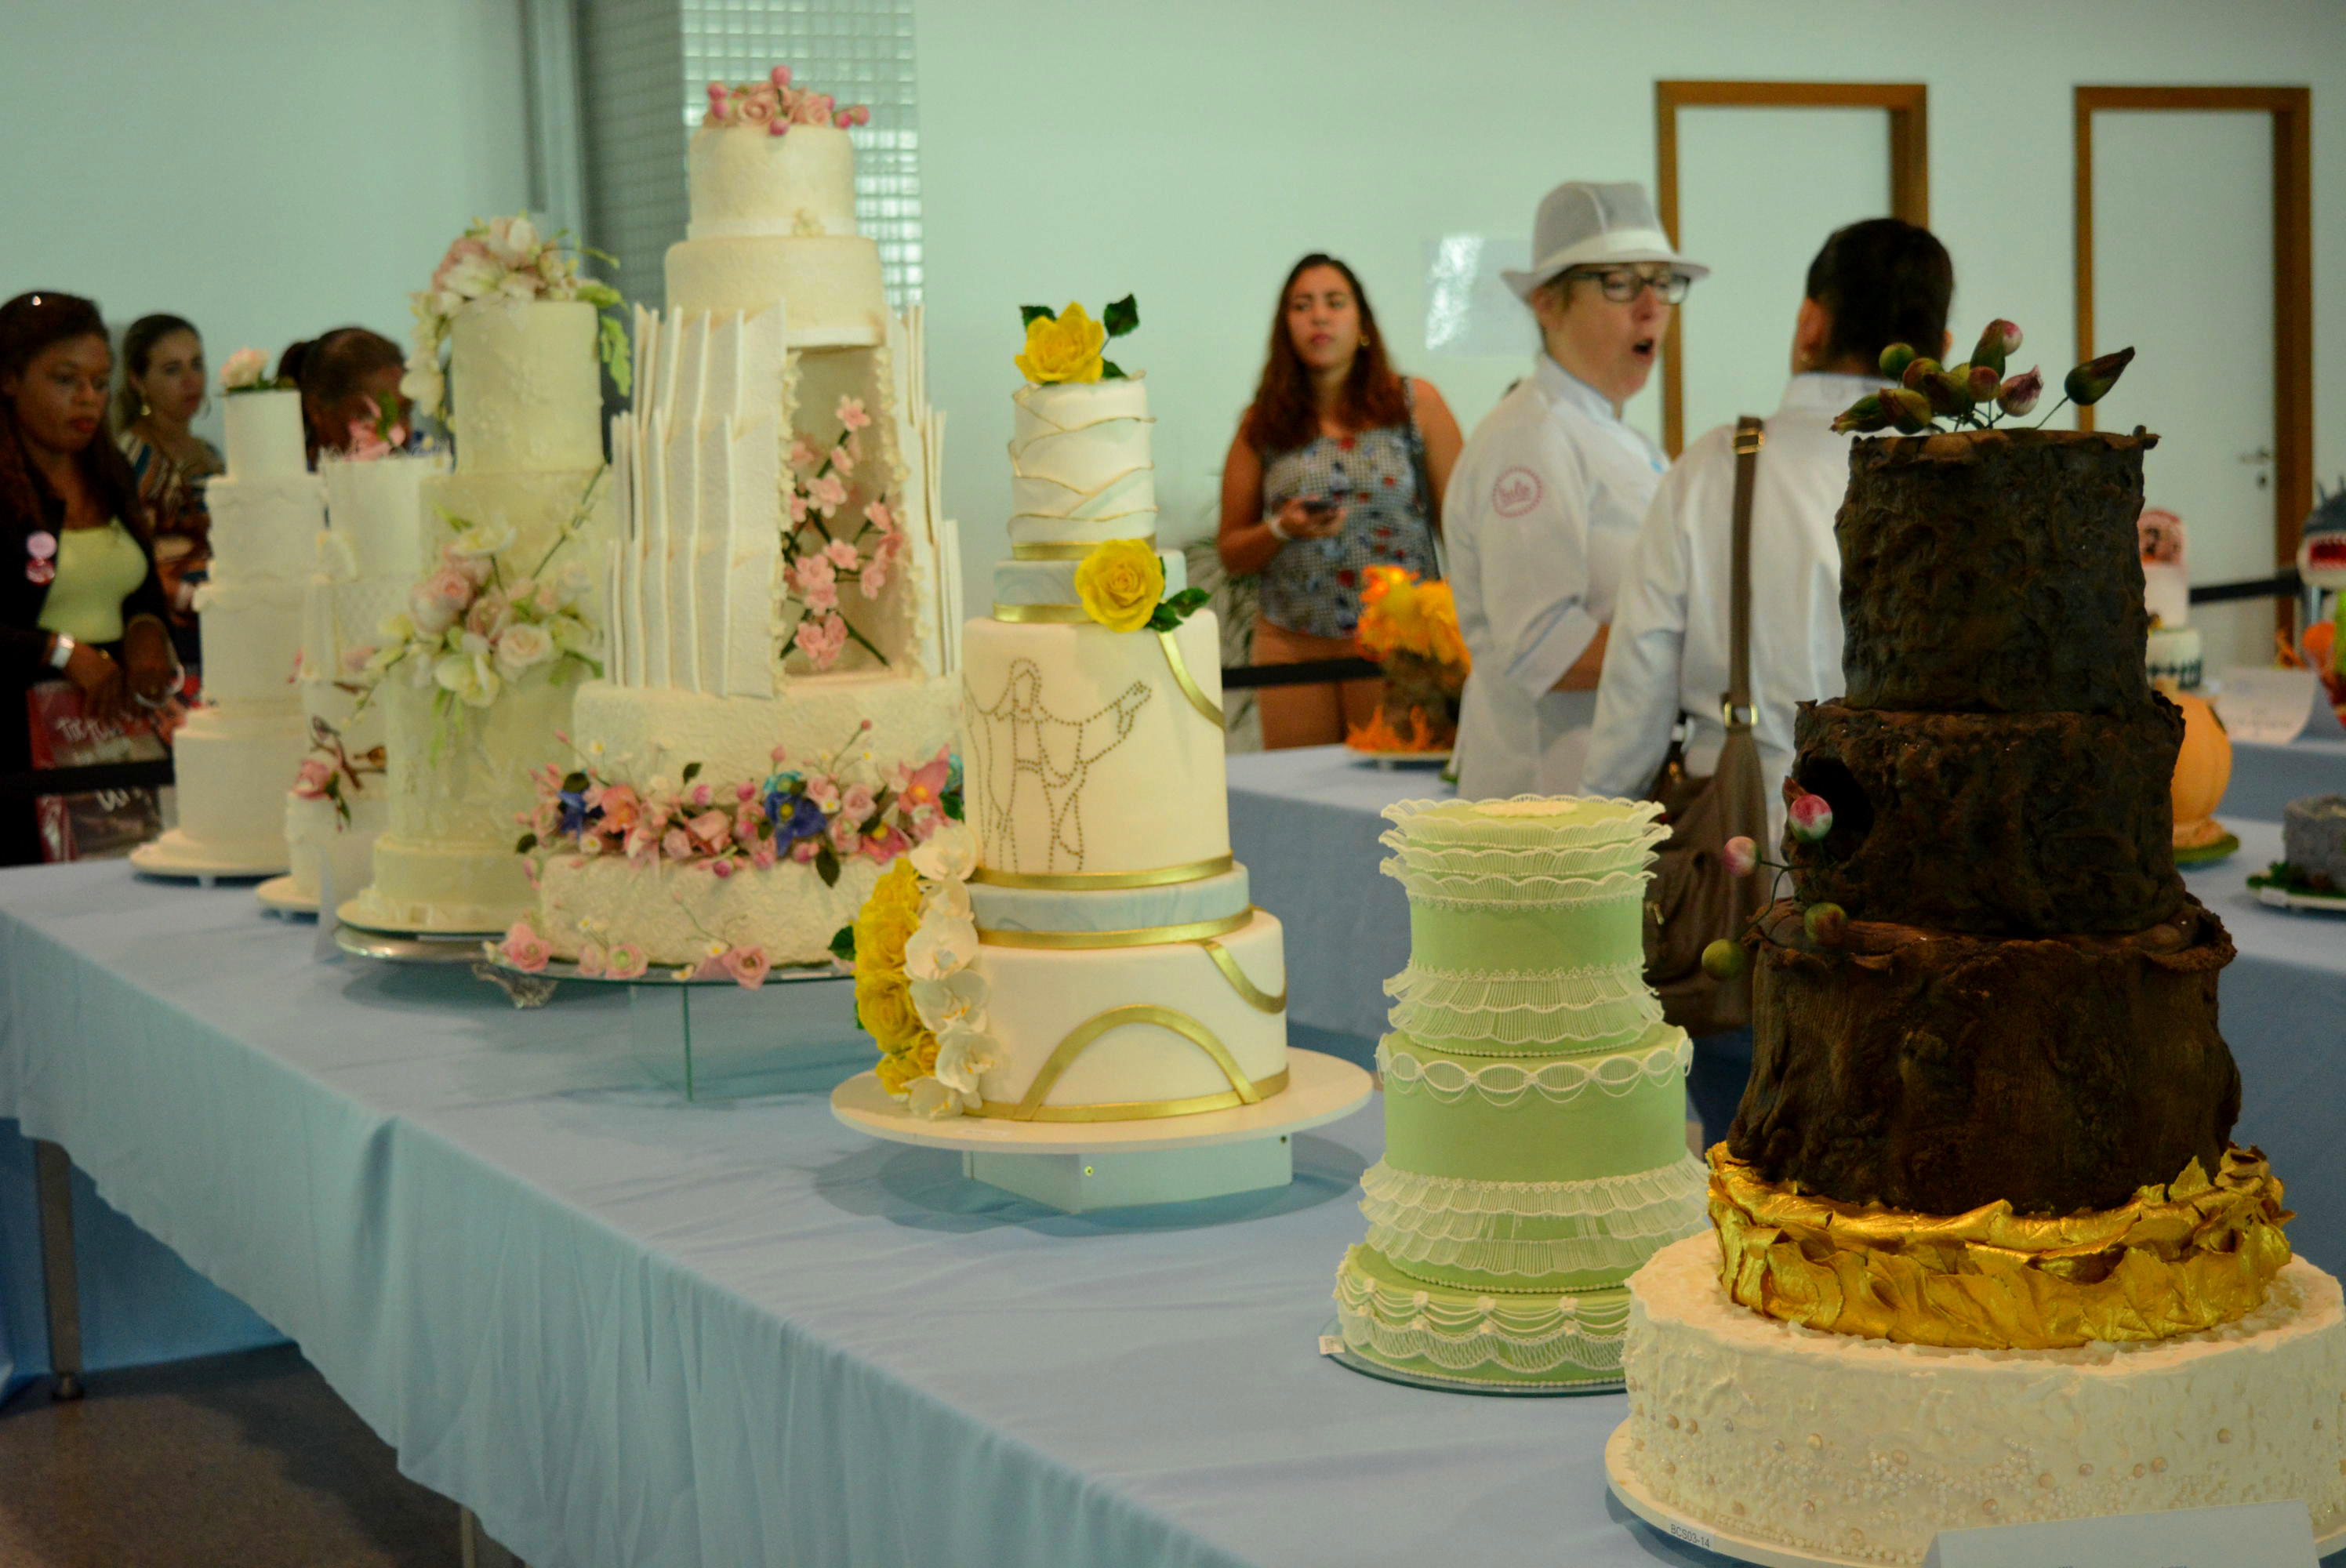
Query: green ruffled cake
point(1535, 1101)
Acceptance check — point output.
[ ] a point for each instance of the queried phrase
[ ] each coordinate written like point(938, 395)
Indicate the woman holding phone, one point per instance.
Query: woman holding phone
point(1339, 463)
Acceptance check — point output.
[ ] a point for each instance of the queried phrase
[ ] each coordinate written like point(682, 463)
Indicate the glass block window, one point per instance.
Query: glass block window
point(859, 52)
point(628, 67)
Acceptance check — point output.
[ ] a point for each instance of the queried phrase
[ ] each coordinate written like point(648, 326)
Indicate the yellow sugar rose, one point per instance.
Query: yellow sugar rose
point(897, 1072)
point(1066, 349)
point(884, 1005)
point(1120, 583)
point(887, 921)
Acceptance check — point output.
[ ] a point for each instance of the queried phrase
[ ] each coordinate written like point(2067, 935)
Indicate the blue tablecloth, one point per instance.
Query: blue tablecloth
point(2267, 777)
point(1305, 822)
point(628, 1332)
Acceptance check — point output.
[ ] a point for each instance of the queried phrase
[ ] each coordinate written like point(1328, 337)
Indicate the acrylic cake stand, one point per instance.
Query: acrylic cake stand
point(1622, 1481)
point(1078, 1166)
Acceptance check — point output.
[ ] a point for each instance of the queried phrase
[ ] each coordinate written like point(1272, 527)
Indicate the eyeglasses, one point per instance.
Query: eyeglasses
point(1622, 284)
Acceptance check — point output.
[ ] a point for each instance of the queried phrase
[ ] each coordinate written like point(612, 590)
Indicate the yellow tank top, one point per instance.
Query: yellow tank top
point(97, 568)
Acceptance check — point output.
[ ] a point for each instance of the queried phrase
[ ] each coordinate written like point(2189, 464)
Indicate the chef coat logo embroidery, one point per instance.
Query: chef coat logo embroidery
point(1517, 491)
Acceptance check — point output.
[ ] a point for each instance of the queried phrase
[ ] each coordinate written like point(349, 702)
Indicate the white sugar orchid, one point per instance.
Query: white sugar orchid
point(948, 855)
point(469, 677)
point(929, 1099)
point(948, 899)
point(944, 944)
point(483, 539)
point(964, 1057)
point(956, 1002)
point(512, 239)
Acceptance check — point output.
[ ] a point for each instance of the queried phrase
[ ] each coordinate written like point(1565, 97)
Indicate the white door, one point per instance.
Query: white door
point(2183, 271)
point(1759, 190)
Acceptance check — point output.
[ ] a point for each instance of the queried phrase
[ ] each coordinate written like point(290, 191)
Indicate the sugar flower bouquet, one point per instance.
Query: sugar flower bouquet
point(1410, 627)
point(778, 106)
point(246, 371)
point(469, 629)
point(914, 945)
point(503, 262)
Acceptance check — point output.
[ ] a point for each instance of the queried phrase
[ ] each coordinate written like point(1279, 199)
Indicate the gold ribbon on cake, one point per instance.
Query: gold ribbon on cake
point(1076, 615)
point(2177, 1259)
point(1087, 881)
point(1055, 551)
point(1197, 930)
point(1195, 694)
point(1243, 1091)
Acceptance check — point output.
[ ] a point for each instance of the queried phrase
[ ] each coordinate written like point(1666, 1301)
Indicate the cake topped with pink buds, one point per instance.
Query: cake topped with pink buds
point(770, 159)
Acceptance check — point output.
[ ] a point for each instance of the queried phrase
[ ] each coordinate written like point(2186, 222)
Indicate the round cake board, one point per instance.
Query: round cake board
point(1075, 1166)
point(1391, 759)
point(2317, 903)
point(1333, 1347)
point(173, 856)
point(281, 895)
point(1621, 1479)
point(396, 947)
point(472, 939)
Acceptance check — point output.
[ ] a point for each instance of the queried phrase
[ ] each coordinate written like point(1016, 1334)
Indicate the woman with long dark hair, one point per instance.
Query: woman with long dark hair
point(347, 376)
point(1339, 465)
point(79, 595)
point(162, 392)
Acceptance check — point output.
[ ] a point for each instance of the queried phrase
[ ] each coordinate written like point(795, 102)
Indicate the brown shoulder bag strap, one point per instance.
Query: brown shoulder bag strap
point(1750, 435)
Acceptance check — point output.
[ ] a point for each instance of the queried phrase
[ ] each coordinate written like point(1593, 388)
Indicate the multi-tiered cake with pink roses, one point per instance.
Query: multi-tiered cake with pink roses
point(774, 720)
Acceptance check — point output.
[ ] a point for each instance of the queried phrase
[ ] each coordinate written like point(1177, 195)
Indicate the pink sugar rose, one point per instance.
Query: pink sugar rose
point(844, 837)
point(488, 614)
point(712, 828)
point(625, 961)
point(851, 412)
point(463, 250)
point(805, 850)
point(526, 950)
point(643, 844)
point(702, 795)
point(857, 802)
point(310, 782)
point(763, 857)
point(814, 109)
point(676, 844)
point(436, 602)
point(591, 961)
point(757, 105)
point(824, 791)
point(748, 965)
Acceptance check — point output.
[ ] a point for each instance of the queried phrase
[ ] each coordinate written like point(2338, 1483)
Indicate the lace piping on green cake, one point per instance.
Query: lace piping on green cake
point(1446, 823)
point(1504, 1082)
point(1542, 1259)
point(1591, 1008)
point(1515, 888)
point(1598, 1197)
point(1526, 1335)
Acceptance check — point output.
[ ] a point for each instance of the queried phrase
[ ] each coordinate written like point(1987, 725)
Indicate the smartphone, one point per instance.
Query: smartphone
point(1319, 508)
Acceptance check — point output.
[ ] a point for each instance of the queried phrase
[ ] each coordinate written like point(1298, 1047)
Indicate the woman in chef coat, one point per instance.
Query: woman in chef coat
point(1546, 497)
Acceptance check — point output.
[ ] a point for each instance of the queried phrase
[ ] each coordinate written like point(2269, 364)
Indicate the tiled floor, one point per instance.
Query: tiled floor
point(234, 1461)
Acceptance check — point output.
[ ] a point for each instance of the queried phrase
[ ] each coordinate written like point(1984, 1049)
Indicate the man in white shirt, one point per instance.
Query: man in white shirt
point(1875, 283)
point(1546, 500)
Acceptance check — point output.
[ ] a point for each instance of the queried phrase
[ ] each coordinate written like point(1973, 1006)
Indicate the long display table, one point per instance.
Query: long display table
point(1305, 824)
point(627, 1331)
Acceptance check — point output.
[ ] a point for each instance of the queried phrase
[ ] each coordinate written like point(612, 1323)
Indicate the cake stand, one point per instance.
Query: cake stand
point(278, 895)
point(1388, 761)
point(1333, 1346)
point(1075, 1166)
point(173, 856)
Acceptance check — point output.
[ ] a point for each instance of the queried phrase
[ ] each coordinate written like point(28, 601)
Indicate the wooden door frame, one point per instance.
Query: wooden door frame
point(2293, 175)
point(1908, 105)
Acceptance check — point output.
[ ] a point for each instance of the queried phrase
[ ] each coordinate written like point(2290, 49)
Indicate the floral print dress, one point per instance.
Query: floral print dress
point(1314, 585)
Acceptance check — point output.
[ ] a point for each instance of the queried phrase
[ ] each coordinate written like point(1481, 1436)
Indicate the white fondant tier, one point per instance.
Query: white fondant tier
point(374, 511)
point(745, 182)
point(265, 530)
point(526, 388)
point(646, 733)
point(1000, 909)
point(1866, 1448)
point(1082, 755)
point(430, 886)
point(264, 436)
point(231, 766)
point(316, 837)
point(830, 284)
point(672, 911)
point(1054, 582)
point(1039, 997)
point(2174, 655)
point(536, 506)
point(1079, 463)
point(250, 633)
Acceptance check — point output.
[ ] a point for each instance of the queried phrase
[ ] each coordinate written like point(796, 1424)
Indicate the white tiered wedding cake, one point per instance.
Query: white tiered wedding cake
point(234, 753)
point(775, 719)
point(478, 674)
point(338, 803)
point(1087, 950)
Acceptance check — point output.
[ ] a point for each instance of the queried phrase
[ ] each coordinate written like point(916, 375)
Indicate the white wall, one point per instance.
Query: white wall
point(266, 170)
point(1079, 148)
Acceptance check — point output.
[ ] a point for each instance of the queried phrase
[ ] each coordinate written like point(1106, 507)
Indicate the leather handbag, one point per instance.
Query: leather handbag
point(1691, 901)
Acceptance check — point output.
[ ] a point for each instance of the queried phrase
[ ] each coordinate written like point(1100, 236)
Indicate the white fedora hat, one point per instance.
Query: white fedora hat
point(1585, 224)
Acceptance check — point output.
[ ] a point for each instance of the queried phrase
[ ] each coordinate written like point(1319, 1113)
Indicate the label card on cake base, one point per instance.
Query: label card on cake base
point(2252, 1535)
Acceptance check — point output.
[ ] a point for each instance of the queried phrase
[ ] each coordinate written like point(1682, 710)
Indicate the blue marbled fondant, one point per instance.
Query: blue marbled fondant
point(1054, 582)
point(1109, 908)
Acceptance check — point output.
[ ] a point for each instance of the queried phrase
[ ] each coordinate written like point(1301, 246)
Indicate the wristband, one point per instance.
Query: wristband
point(1277, 532)
point(61, 650)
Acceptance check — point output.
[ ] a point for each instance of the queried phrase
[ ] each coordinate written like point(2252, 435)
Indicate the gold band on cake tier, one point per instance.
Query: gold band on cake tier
point(1084, 882)
point(1197, 930)
point(1070, 552)
point(2178, 1259)
point(1243, 1091)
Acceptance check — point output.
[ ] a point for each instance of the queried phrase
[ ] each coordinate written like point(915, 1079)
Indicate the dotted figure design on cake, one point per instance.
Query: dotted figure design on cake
point(1019, 745)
